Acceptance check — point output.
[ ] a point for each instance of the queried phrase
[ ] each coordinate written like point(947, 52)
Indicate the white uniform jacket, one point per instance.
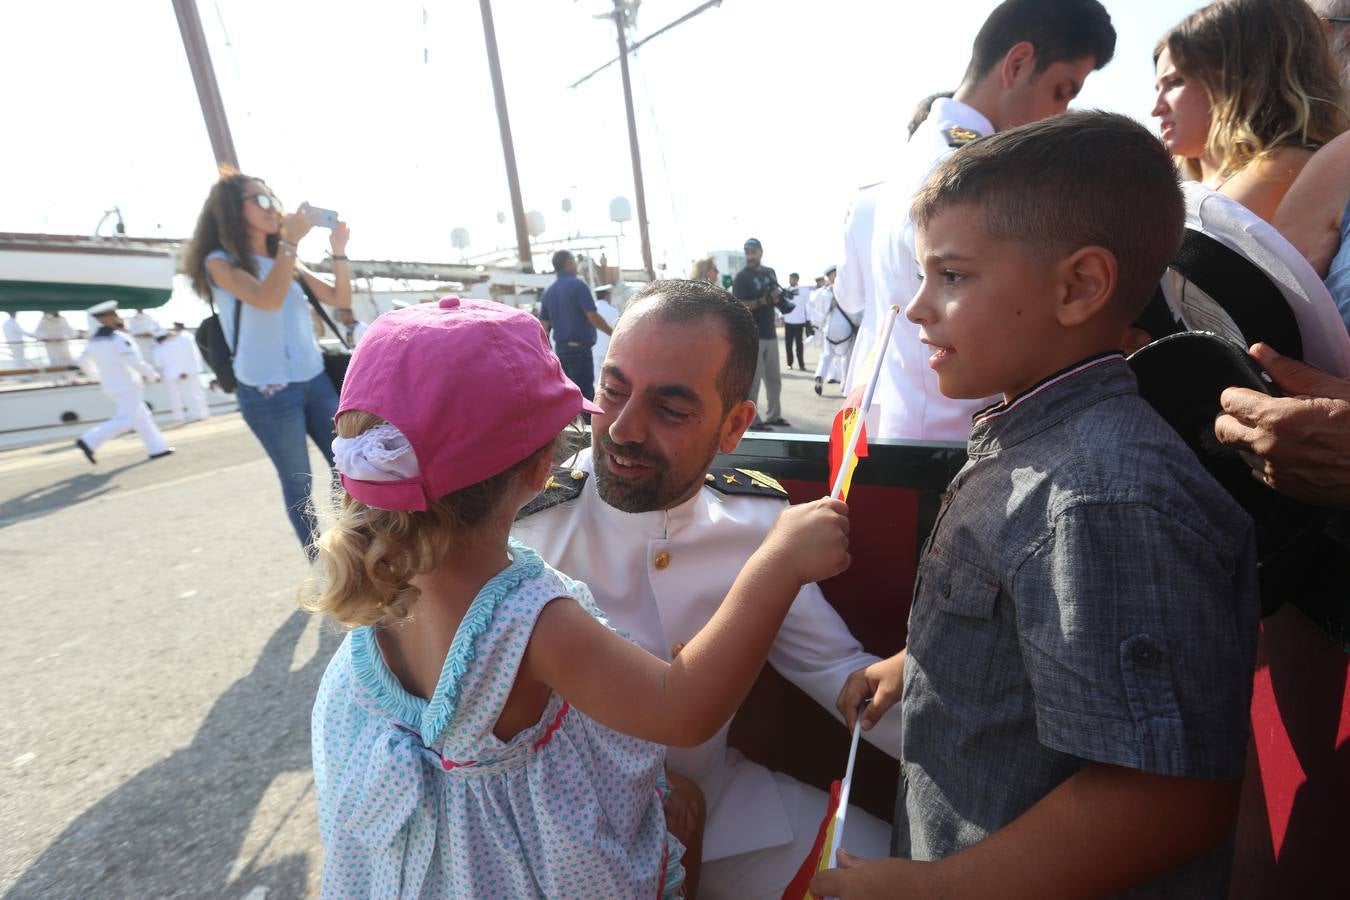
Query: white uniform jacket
point(113, 358)
point(912, 406)
point(178, 355)
point(660, 576)
point(853, 283)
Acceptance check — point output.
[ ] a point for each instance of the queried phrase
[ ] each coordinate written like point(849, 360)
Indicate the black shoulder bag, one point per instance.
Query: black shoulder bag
point(216, 351)
point(335, 362)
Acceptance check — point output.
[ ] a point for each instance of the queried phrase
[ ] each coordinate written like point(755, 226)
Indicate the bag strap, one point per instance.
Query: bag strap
point(318, 308)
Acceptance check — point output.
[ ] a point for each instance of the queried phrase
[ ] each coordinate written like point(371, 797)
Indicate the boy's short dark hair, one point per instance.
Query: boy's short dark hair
point(1060, 30)
point(560, 259)
point(679, 300)
point(1074, 180)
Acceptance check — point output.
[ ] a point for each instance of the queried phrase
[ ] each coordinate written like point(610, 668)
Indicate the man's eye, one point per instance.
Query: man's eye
point(610, 392)
point(950, 277)
point(676, 414)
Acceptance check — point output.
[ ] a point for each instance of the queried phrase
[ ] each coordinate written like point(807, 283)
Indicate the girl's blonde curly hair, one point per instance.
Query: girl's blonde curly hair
point(1268, 71)
point(368, 557)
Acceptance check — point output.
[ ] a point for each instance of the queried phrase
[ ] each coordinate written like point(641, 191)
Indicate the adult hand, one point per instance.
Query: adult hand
point(183, 377)
point(1298, 445)
point(878, 879)
point(296, 225)
point(882, 681)
point(337, 240)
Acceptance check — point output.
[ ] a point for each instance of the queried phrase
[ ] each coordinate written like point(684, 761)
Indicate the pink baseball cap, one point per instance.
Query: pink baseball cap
point(474, 387)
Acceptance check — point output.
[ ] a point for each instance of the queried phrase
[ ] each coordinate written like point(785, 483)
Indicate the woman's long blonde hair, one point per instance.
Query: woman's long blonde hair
point(1269, 74)
point(369, 556)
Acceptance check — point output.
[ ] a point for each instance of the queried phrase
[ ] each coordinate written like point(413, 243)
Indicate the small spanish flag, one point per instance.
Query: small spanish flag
point(845, 421)
point(818, 860)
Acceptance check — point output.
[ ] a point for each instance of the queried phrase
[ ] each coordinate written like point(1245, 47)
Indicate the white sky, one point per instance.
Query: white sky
point(756, 118)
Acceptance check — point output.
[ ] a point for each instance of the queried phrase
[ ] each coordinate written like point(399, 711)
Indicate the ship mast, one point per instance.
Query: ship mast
point(204, 77)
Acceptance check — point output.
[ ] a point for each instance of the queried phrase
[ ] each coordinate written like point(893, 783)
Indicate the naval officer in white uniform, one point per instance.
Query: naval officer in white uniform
point(660, 539)
point(1009, 82)
point(114, 360)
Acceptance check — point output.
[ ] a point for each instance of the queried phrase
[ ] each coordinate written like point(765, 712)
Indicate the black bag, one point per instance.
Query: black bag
point(216, 351)
point(335, 362)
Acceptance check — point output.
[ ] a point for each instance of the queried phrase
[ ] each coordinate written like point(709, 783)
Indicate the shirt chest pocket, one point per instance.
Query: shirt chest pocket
point(956, 628)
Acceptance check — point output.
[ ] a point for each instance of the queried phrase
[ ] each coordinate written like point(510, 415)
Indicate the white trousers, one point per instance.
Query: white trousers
point(131, 413)
point(834, 360)
point(762, 874)
point(187, 391)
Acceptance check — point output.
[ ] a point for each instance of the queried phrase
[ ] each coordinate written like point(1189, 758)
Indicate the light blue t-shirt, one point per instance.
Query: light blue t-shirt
point(274, 347)
point(1338, 274)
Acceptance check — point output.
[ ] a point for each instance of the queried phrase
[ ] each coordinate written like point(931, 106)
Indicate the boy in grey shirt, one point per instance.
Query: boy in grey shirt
point(1083, 633)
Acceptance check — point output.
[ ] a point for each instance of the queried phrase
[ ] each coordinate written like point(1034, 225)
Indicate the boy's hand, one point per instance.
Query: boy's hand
point(882, 681)
point(878, 879)
point(811, 540)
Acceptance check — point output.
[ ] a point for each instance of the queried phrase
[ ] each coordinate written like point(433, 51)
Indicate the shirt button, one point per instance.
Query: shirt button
point(1146, 654)
point(662, 559)
point(947, 591)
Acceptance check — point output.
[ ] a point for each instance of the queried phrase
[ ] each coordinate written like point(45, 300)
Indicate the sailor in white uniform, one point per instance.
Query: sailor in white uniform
point(142, 327)
point(853, 287)
point(841, 328)
point(113, 359)
point(1008, 83)
point(180, 362)
point(661, 573)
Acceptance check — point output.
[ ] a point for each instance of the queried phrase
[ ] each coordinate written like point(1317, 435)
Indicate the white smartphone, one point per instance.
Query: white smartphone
point(323, 218)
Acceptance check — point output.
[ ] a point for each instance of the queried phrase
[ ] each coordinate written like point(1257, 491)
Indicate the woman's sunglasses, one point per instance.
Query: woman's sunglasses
point(265, 201)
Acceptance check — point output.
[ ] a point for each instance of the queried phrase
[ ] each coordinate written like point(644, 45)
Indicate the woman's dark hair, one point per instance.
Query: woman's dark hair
point(220, 226)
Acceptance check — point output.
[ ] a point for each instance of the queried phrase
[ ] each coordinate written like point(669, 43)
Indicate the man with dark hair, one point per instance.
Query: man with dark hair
point(1029, 60)
point(659, 535)
point(794, 321)
point(756, 286)
point(567, 309)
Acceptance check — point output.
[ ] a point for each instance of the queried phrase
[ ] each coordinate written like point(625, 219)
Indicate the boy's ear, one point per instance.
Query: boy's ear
point(1088, 285)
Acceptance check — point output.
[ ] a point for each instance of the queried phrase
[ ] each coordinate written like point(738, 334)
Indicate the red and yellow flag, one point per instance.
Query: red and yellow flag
point(800, 886)
point(845, 421)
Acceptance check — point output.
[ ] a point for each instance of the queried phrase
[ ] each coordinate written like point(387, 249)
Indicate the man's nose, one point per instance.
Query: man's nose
point(629, 425)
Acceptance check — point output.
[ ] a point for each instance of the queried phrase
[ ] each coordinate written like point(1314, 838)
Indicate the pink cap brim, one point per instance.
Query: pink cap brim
point(591, 406)
point(396, 496)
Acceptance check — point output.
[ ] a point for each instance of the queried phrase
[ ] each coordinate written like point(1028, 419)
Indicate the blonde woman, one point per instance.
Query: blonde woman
point(705, 269)
point(1246, 92)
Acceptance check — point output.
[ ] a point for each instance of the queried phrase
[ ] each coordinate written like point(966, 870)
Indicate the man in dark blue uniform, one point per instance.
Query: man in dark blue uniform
point(567, 311)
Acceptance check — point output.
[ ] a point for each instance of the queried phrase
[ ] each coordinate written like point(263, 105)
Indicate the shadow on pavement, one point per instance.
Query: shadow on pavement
point(177, 828)
point(55, 497)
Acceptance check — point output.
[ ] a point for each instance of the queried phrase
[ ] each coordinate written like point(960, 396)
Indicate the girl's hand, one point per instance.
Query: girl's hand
point(296, 225)
point(337, 240)
point(811, 540)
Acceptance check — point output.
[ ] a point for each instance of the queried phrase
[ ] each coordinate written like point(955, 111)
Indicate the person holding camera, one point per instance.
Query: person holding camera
point(756, 286)
point(243, 259)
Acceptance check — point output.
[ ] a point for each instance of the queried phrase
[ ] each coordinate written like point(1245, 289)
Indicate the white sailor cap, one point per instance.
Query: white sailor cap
point(99, 309)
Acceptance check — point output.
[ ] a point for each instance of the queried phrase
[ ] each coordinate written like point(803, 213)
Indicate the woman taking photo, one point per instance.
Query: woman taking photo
point(243, 258)
point(1246, 92)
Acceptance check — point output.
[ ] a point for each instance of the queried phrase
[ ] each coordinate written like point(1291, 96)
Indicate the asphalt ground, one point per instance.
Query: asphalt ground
point(154, 728)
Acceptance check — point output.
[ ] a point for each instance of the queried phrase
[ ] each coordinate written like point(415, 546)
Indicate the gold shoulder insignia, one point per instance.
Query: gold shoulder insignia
point(745, 482)
point(958, 137)
point(563, 485)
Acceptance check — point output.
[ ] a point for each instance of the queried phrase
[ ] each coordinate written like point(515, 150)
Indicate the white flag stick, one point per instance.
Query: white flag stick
point(844, 788)
point(866, 407)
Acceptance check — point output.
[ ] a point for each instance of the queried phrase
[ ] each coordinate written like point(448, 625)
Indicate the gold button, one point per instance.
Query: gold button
point(709, 478)
point(578, 474)
point(675, 650)
point(662, 559)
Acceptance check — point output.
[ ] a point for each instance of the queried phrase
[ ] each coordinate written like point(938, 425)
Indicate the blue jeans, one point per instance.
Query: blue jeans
point(579, 366)
point(280, 422)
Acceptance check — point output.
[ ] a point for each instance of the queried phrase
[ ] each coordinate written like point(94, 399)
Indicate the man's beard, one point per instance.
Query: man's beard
point(660, 491)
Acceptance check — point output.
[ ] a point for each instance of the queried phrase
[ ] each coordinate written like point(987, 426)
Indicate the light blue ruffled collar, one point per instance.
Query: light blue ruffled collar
point(430, 718)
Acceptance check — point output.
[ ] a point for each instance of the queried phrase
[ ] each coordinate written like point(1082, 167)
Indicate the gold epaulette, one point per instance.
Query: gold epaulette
point(745, 481)
point(563, 485)
point(958, 137)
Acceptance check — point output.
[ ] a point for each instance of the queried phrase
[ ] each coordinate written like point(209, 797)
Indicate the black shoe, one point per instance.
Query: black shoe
point(757, 425)
point(88, 454)
point(803, 368)
point(161, 454)
point(834, 381)
point(780, 422)
point(817, 385)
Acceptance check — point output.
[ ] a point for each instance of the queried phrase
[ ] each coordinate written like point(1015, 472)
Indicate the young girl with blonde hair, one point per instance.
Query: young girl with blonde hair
point(481, 731)
point(1247, 90)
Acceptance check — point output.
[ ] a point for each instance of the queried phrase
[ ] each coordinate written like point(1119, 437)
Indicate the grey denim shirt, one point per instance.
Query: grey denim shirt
point(1088, 594)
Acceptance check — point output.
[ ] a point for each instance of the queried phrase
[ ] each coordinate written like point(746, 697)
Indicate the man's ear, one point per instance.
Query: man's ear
point(737, 421)
point(1088, 285)
point(1019, 60)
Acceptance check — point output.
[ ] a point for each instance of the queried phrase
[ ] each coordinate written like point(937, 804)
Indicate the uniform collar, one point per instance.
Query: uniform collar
point(659, 523)
point(1049, 402)
point(104, 331)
